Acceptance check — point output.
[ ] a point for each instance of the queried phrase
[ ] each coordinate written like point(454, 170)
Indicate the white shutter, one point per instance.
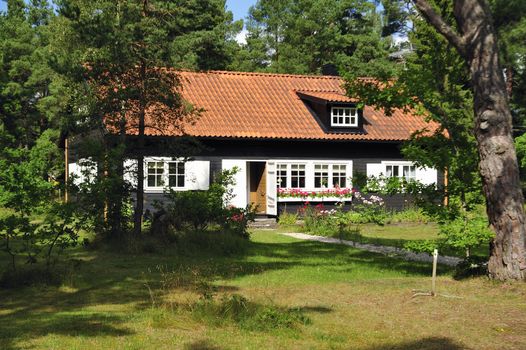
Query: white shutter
point(130, 172)
point(272, 191)
point(426, 176)
point(375, 169)
point(240, 189)
point(197, 175)
point(84, 171)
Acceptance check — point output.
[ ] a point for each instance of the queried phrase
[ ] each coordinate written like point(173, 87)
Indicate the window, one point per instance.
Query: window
point(176, 174)
point(162, 173)
point(297, 175)
point(155, 174)
point(407, 172)
point(313, 175)
point(344, 116)
point(339, 175)
point(281, 172)
point(321, 175)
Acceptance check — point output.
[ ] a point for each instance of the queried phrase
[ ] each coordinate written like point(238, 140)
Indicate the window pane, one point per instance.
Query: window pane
point(297, 175)
point(321, 175)
point(151, 181)
point(155, 172)
point(389, 171)
point(339, 175)
point(176, 174)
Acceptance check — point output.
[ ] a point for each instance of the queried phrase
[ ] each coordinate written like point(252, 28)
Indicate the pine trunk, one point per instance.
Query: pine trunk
point(493, 129)
point(139, 205)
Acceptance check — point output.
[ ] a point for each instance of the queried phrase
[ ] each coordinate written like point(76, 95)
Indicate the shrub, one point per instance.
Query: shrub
point(198, 210)
point(287, 219)
point(410, 215)
point(371, 209)
point(318, 220)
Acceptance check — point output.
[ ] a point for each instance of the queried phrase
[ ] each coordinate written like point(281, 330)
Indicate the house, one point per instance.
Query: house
point(282, 132)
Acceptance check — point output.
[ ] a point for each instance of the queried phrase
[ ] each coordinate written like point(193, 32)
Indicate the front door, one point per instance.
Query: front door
point(258, 186)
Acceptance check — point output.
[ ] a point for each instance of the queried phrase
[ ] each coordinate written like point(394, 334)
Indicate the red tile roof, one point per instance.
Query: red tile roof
point(267, 106)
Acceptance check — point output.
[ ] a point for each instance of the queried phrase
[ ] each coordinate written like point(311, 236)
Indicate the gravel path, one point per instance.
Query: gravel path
point(403, 253)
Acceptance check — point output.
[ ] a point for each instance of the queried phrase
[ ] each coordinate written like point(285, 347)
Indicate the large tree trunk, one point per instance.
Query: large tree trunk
point(493, 129)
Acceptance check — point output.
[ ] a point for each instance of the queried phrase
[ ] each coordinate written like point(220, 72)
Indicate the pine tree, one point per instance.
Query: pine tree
point(116, 59)
point(301, 36)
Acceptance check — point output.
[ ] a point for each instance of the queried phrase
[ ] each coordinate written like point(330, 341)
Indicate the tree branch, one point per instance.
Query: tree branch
point(441, 26)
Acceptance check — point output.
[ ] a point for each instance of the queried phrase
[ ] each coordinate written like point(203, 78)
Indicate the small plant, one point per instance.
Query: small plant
point(239, 310)
point(287, 219)
point(371, 208)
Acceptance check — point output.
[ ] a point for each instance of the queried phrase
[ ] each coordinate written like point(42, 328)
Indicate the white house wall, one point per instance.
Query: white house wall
point(426, 176)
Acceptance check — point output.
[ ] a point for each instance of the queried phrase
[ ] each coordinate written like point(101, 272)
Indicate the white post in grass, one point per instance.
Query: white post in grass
point(435, 261)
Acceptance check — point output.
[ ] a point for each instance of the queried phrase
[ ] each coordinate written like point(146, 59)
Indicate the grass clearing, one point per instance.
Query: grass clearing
point(352, 300)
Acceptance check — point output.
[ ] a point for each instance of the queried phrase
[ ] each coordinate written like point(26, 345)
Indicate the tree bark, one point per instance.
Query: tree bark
point(477, 43)
point(139, 205)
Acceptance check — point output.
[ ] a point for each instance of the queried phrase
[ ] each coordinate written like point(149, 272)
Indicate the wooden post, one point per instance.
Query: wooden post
point(435, 261)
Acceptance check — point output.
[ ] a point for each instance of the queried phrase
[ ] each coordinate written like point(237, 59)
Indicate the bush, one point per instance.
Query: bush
point(287, 219)
point(198, 210)
point(410, 215)
point(318, 220)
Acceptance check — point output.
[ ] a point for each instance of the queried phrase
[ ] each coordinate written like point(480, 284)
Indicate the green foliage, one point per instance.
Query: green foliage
point(422, 246)
point(38, 241)
point(410, 215)
point(465, 233)
point(200, 209)
point(287, 219)
point(301, 36)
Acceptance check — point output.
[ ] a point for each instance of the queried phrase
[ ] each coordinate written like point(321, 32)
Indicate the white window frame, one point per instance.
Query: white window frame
point(353, 114)
point(288, 171)
point(400, 165)
point(309, 175)
point(165, 174)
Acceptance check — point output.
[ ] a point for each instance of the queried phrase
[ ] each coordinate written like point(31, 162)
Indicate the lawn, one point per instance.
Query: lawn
point(352, 299)
point(390, 234)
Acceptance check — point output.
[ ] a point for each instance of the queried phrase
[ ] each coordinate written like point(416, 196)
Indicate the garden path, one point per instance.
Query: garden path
point(403, 253)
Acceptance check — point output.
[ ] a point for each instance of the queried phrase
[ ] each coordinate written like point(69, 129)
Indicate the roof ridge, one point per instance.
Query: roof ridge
point(266, 74)
point(334, 91)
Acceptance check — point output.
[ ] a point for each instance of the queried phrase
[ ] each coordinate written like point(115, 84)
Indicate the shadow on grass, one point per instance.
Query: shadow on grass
point(432, 343)
point(201, 345)
point(26, 326)
point(108, 278)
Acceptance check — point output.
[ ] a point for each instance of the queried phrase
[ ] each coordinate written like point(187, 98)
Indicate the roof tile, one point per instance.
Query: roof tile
point(266, 106)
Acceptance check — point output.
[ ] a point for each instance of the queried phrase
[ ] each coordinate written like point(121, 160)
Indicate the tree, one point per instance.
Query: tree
point(476, 42)
point(116, 59)
point(301, 36)
point(204, 35)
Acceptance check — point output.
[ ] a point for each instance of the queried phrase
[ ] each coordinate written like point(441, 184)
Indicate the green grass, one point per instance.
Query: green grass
point(391, 234)
point(352, 300)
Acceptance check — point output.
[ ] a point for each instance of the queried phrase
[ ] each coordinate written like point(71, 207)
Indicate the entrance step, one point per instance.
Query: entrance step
point(263, 222)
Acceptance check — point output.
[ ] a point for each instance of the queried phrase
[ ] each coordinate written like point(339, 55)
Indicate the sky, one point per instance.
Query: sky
point(238, 7)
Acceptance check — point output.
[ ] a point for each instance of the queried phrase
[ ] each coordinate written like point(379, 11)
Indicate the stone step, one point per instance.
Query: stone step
point(263, 223)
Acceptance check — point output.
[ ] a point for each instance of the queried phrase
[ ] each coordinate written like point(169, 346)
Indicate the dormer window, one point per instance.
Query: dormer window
point(344, 117)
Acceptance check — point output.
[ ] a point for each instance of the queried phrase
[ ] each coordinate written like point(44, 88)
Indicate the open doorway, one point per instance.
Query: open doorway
point(257, 178)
